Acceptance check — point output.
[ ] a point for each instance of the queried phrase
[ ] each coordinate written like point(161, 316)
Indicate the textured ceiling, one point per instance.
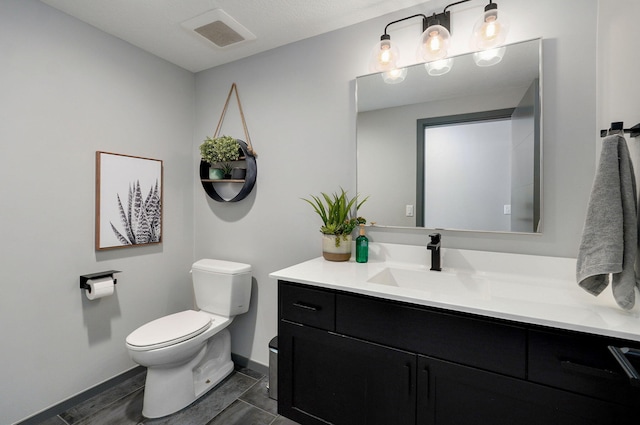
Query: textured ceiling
point(155, 25)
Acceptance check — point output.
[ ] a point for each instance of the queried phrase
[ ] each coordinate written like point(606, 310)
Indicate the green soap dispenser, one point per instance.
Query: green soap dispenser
point(362, 247)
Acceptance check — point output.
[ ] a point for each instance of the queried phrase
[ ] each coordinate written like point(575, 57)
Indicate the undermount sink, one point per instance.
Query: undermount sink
point(426, 280)
point(461, 283)
point(474, 273)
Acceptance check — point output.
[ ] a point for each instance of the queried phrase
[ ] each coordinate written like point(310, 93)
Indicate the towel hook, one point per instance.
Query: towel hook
point(619, 126)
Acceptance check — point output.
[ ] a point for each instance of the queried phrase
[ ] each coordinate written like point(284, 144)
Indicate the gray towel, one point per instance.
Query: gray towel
point(610, 237)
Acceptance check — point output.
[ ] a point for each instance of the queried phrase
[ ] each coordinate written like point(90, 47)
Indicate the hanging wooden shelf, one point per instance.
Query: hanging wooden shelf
point(248, 156)
point(223, 181)
point(247, 184)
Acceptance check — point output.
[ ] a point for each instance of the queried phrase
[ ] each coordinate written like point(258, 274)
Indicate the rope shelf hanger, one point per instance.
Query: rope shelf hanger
point(247, 150)
point(234, 87)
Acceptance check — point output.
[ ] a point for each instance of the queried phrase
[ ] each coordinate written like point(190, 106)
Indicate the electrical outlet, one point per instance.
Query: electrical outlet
point(507, 209)
point(409, 210)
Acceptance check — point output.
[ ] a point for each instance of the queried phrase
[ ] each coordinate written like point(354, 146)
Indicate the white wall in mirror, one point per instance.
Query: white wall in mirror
point(474, 158)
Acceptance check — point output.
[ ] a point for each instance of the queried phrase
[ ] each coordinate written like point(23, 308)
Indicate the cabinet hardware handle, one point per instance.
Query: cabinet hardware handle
point(588, 370)
point(306, 306)
point(425, 371)
point(408, 366)
point(619, 353)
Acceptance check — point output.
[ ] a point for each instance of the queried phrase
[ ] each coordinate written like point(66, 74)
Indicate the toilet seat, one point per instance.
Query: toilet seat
point(169, 330)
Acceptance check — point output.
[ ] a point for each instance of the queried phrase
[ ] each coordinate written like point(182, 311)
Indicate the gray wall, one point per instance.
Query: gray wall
point(299, 102)
point(68, 90)
point(617, 69)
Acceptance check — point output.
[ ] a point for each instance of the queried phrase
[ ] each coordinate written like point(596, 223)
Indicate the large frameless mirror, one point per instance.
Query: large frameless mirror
point(459, 151)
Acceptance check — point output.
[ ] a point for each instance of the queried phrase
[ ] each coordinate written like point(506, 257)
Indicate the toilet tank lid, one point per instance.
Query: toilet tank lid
point(221, 266)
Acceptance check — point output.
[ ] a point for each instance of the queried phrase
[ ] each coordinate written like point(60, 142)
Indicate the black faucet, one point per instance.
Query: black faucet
point(434, 247)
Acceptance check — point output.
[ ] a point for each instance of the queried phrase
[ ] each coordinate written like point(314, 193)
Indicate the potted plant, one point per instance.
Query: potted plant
point(339, 218)
point(220, 150)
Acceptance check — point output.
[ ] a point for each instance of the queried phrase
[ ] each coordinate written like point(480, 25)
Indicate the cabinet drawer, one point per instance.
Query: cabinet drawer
point(308, 306)
point(486, 344)
point(579, 363)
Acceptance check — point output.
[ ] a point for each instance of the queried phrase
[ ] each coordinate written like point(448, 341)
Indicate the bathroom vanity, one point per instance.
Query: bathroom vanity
point(493, 339)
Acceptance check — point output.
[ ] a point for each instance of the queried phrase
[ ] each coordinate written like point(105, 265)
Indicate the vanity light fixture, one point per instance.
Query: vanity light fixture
point(433, 48)
point(384, 56)
point(488, 36)
point(490, 30)
point(435, 40)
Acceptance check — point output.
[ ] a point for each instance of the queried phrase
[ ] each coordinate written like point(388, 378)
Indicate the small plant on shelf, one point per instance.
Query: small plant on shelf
point(220, 150)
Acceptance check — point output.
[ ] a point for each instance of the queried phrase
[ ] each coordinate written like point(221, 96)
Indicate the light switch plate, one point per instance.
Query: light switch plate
point(409, 210)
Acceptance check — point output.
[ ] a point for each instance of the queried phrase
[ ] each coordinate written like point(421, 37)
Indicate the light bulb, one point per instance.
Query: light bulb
point(394, 76)
point(490, 30)
point(434, 43)
point(383, 56)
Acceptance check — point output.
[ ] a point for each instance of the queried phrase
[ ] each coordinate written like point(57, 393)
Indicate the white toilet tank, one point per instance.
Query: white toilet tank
point(222, 287)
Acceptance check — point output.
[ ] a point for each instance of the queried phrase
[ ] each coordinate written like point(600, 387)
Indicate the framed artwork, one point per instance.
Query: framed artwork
point(128, 201)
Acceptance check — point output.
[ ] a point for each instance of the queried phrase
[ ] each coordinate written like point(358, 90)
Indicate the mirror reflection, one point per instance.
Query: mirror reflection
point(460, 150)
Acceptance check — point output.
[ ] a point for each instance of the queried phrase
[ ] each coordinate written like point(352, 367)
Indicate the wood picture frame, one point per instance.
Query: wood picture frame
point(129, 201)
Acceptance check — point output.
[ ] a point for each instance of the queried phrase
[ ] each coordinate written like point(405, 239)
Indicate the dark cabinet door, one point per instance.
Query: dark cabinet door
point(330, 378)
point(450, 394)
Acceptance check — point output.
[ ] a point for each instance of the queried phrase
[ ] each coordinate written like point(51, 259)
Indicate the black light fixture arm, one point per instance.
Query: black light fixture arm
point(424, 21)
point(443, 18)
point(458, 2)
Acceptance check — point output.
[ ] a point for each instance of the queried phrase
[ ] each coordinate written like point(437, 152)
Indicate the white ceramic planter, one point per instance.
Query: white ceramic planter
point(331, 252)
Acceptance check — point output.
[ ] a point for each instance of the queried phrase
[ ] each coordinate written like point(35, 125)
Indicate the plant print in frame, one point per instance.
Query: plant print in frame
point(128, 201)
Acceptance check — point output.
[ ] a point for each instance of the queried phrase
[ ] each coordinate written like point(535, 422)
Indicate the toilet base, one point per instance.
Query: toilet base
point(174, 387)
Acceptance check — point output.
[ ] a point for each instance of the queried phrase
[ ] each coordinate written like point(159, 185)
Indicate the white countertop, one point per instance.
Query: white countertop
point(522, 288)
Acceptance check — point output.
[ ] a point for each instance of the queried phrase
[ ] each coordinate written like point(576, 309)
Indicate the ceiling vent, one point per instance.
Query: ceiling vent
point(219, 28)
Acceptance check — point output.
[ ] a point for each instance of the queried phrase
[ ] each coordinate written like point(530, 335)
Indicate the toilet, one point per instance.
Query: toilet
point(188, 353)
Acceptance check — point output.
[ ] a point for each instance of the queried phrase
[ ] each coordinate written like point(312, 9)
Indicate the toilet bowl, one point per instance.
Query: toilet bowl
point(188, 353)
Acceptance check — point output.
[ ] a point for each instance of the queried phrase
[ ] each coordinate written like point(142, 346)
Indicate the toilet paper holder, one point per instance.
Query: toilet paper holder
point(84, 278)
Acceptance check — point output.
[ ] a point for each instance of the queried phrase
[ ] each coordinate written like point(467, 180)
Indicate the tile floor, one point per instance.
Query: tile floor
point(241, 399)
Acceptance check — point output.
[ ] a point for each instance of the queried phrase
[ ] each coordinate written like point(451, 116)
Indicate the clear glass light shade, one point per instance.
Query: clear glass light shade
point(439, 67)
point(384, 56)
point(489, 57)
point(395, 76)
point(490, 30)
point(434, 43)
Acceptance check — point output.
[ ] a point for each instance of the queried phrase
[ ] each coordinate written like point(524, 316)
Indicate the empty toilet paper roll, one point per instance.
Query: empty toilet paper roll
point(100, 287)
